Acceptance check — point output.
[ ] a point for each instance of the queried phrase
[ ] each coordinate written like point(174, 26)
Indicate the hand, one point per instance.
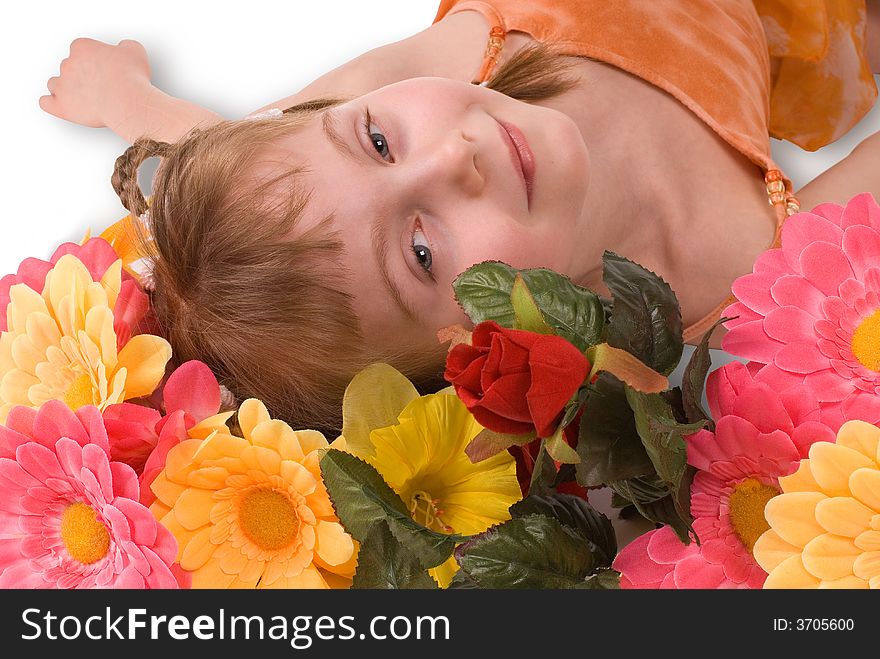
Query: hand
point(96, 81)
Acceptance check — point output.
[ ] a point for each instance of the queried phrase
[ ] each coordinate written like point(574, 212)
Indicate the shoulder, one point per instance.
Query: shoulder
point(453, 47)
point(856, 173)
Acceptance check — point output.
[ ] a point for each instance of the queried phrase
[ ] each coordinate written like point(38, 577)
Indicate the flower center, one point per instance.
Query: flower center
point(79, 393)
point(866, 342)
point(746, 505)
point(426, 511)
point(85, 538)
point(268, 519)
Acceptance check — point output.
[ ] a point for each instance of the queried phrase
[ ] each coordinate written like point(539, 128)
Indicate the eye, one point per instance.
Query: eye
point(377, 139)
point(421, 249)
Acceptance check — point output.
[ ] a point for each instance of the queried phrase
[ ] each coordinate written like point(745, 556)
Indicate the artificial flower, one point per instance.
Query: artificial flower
point(69, 516)
point(810, 311)
point(514, 381)
point(760, 436)
point(252, 511)
point(421, 457)
point(129, 238)
point(141, 436)
point(96, 254)
point(72, 341)
point(825, 527)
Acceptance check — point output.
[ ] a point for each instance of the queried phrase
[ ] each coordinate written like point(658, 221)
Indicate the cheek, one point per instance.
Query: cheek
point(548, 247)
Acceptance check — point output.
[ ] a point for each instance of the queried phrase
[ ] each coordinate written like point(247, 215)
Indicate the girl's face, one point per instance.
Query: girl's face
point(429, 176)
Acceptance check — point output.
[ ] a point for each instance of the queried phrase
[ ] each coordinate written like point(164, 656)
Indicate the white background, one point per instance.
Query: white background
point(230, 57)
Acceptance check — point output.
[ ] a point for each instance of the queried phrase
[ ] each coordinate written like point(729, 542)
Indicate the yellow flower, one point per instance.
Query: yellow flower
point(421, 457)
point(252, 511)
point(63, 345)
point(825, 527)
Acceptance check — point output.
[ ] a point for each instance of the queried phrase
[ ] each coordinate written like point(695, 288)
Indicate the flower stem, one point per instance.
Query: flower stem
point(543, 472)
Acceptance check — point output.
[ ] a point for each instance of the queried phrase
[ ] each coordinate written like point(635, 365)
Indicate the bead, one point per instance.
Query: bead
point(775, 186)
point(490, 57)
point(773, 175)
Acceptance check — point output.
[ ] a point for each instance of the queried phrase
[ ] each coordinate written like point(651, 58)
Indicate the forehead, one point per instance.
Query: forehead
point(333, 183)
point(345, 198)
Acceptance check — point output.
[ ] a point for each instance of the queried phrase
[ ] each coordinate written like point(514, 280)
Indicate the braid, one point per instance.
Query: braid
point(124, 179)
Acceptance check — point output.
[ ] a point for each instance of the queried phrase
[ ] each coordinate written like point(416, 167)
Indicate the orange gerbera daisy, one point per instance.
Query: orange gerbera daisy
point(252, 511)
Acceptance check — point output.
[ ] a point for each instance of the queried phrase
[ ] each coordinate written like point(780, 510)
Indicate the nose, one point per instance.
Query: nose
point(453, 162)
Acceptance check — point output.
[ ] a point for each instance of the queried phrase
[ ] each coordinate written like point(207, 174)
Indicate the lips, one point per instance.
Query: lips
point(523, 158)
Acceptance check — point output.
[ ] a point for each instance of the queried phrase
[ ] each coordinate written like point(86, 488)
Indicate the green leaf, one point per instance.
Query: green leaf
point(488, 443)
point(646, 318)
point(385, 563)
point(654, 501)
point(694, 380)
point(573, 406)
point(462, 581)
point(558, 449)
point(527, 315)
point(662, 435)
point(483, 292)
point(608, 443)
point(665, 511)
point(576, 314)
point(362, 498)
point(575, 513)
point(566, 474)
point(618, 501)
point(625, 368)
point(528, 552)
point(640, 491)
point(604, 579)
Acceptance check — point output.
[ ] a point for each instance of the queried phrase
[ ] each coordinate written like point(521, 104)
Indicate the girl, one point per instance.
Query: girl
point(290, 249)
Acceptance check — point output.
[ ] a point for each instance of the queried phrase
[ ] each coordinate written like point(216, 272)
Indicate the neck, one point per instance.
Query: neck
point(665, 190)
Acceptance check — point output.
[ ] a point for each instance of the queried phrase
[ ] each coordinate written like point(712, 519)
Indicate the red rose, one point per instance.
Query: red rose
point(514, 381)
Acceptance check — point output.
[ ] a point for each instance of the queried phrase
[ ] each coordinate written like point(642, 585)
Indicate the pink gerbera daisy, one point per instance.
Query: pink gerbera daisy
point(760, 435)
point(69, 516)
point(810, 311)
point(97, 255)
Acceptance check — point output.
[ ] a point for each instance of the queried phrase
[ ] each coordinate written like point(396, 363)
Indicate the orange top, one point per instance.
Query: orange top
point(750, 69)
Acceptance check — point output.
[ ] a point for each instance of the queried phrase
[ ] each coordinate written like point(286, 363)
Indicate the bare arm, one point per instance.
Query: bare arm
point(435, 51)
point(858, 172)
point(109, 86)
point(102, 85)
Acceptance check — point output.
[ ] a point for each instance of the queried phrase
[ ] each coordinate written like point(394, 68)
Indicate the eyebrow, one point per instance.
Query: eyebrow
point(329, 124)
point(380, 251)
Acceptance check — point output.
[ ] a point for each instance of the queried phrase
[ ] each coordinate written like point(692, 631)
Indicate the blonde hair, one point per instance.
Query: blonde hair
point(268, 314)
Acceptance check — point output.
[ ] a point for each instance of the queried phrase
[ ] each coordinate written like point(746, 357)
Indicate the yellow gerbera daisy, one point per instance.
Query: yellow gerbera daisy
point(825, 527)
point(62, 344)
point(421, 457)
point(252, 511)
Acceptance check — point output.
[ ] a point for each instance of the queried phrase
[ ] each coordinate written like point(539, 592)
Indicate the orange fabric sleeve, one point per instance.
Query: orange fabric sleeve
point(821, 80)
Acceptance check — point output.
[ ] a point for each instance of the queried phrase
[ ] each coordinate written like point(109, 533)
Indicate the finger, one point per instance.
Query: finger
point(50, 104)
point(132, 44)
point(52, 84)
point(76, 44)
point(65, 63)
